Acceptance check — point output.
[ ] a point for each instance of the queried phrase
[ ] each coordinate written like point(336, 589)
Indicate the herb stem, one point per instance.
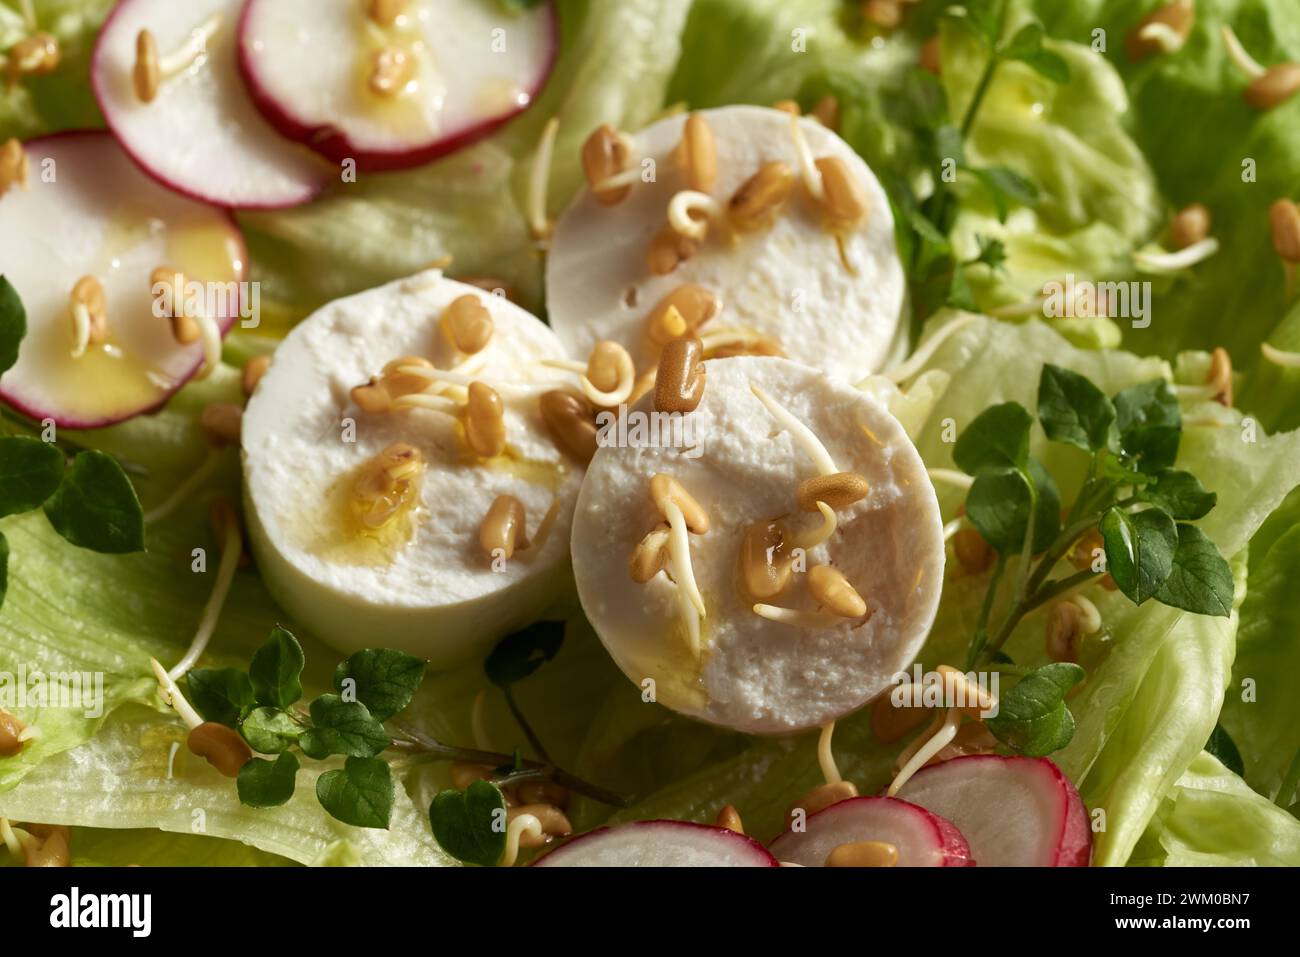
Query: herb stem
point(1037, 599)
point(986, 609)
point(529, 733)
point(1290, 781)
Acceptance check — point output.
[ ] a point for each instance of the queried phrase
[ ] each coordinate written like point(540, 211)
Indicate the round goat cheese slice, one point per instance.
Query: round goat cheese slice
point(788, 282)
point(422, 585)
point(742, 464)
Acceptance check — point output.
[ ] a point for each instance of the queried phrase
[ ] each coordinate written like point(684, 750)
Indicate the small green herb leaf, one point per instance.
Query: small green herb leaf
point(998, 506)
point(343, 727)
point(13, 324)
point(1027, 47)
point(518, 655)
point(383, 680)
point(359, 793)
point(270, 730)
point(1150, 425)
point(30, 472)
point(4, 568)
point(979, 17)
point(949, 145)
point(998, 438)
point(1139, 550)
point(96, 507)
point(1074, 411)
point(1200, 580)
point(276, 670)
point(1179, 493)
point(223, 695)
point(959, 291)
point(1006, 186)
point(263, 783)
point(1032, 717)
point(1224, 748)
point(471, 824)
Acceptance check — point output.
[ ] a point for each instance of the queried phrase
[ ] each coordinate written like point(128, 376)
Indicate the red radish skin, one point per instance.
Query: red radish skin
point(310, 176)
point(55, 146)
point(1013, 811)
point(674, 841)
point(923, 839)
point(335, 144)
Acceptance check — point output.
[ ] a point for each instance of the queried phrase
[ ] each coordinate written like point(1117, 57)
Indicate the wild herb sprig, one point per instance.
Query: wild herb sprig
point(358, 722)
point(1132, 496)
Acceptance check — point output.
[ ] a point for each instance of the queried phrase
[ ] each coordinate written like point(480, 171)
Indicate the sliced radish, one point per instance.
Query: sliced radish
point(923, 839)
point(1014, 812)
point(392, 83)
point(660, 844)
point(88, 211)
point(200, 134)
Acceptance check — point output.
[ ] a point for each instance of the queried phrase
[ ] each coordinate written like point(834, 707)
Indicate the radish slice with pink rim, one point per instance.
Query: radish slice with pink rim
point(452, 71)
point(88, 211)
point(659, 844)
point(923, 839)
point(201, 135)
point(1014, 812)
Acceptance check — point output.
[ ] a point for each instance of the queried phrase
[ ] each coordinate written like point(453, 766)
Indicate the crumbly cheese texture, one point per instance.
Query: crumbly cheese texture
point(786, 282)
point(431, 592)
point(754, 674)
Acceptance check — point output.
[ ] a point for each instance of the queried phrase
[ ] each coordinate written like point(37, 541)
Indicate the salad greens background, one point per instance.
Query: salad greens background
point(1111, 152)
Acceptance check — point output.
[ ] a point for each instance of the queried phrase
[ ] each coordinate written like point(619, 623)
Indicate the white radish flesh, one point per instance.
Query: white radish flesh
point(923, 839)
point(659, 844)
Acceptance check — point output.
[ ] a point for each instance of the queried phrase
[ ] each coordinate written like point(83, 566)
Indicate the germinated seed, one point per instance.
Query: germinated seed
point(668, 249)
point(729, 818)
point(832, 590)
point(570, 422)
point(685, 309)
point(760, 198)
point(605, 154)
point(37, 55)
point(1190, 226)
point(764, 566)
point(485, 423)
point(147, 73)
point(1277, 85)
point(889, 723)
point(390, 70)
point(863, 854)
point(51, 851)
point(252, 373)
point(222, 424)
point(665, 489)
point(553, 821)
point(974, 554)
point(89, 293)
point(503, 530)
point(220, 746)
point(679, 381)
point(838, 490)
point(468, 323)
point(403, 383)
point(1178, 16)
point(387, 485)
point(1064, 631)
point(844, 200)
point(11, 728)
point(14, 166)
point(650, 555)
point(700, 154)
point(607, 365)
point(822, 797)
point(1284, 222)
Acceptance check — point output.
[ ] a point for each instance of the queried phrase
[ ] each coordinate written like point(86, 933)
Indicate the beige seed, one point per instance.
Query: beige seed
point(184, 329)
point(838, 490)
point(252, 373)
point(372, 397)
point(607, 365)
point(1178, 16)
point(844, 200)
point(222, 424)
point(1278, 84)
point(468, 324)
point(889, 723)
point(729, 818)
point(386, 12)
point(886, 14)
point(827, 112)
point(959, 687)
point(387, 485)
point(570, 422)
point(650, 555)
point(14, 166)
point(485, 423)
point(931, 55)
point(220, 746)
point(832, 590)
point(398, 383)
point(391, 69)
point(544, 792)
point(605, 154)
point(679, 381)
point(37, 55)
point(1220, 376)
point(503, 530)
point(669, 249)
point(665, 489)
point(463, 774)
point(553, 821)
point(974, 554)
point(863, 854)
point(686, 309)
point(752, 346)
point(1064, 631)
point(147, 73)
point(787, 106)
point(1085, 550)
point(822, 797)
point(760, 198)
point(89, 293)
point(51, 850)
point(11, 728)
point(1284, 222)
point(1190, 226)
point(700, 154)
point(763, 565)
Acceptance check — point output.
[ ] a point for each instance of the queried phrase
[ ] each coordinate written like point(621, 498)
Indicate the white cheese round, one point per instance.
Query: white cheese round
point(786, 282)
point(433, 593)
point(755, 674)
